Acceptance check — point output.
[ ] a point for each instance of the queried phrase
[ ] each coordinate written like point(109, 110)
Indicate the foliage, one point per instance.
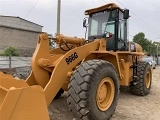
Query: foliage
point(52, 44)
point(9, 51)
point(140, 39)
point(148, 46)
point(152, 50)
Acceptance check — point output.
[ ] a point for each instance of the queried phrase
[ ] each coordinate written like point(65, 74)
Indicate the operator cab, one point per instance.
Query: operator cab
point(110, 22)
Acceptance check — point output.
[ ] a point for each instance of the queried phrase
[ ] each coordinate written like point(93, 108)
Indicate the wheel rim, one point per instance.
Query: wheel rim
point(148, 79)
point(105, 94)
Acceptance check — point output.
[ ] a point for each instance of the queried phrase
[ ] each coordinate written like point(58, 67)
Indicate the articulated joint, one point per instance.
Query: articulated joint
point(44, 62)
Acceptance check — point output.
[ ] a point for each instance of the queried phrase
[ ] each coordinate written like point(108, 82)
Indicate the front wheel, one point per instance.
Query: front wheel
point(93, 90)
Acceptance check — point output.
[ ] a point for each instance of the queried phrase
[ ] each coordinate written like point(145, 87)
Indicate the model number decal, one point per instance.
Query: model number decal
point(71, 58)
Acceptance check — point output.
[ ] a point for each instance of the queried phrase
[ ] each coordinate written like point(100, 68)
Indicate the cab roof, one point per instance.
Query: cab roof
point(102, 8)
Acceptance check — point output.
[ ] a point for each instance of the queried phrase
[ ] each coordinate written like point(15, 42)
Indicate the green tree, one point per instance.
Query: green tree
point(152, 49)
point(144, 42)
point(157, 47)
point(9, 52)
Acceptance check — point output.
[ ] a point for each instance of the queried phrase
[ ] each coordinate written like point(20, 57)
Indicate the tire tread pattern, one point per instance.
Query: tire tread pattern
point(139, 88)
point(80, 85)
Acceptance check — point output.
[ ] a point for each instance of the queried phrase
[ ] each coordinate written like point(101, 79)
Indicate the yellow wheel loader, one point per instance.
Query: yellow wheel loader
point(91, 70)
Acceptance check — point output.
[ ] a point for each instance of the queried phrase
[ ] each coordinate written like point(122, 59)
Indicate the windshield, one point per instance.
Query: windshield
point(101, 23)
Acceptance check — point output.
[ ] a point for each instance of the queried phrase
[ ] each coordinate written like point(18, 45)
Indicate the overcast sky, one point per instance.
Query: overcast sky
point(145, 14)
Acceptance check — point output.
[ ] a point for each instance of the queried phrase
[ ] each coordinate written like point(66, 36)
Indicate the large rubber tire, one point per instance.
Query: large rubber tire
point(143, 81)
point(93, 90)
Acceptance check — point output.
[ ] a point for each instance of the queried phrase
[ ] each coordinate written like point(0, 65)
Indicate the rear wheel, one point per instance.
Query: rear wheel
point(93, 90)
point(143, 81)
point(154, 66)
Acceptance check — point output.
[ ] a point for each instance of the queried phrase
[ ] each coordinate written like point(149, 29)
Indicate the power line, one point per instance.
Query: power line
point(146, 23)
point(142, 26)
point(139, 18)
point(131, 35)
point(31, 9)
point(156, 38)
point(104, 1)
point(140, 22)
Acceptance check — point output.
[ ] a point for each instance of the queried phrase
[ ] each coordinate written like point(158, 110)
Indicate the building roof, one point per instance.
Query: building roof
point(21, 19)
point(19, 23)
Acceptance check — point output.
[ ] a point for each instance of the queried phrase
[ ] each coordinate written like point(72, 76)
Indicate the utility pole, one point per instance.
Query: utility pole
point(157, 54)
point(58, 15)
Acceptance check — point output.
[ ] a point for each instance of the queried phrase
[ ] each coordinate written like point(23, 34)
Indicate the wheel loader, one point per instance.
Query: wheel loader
point(91, 70)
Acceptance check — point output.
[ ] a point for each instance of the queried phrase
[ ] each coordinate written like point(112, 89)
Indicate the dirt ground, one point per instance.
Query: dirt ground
point(130, 107)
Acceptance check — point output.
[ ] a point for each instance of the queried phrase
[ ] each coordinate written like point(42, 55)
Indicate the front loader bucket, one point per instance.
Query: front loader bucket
point(5, 75)
point(19, 101)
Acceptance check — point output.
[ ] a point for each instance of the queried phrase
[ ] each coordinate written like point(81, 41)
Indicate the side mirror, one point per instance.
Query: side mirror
point(84, 22)
point(126, 14)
